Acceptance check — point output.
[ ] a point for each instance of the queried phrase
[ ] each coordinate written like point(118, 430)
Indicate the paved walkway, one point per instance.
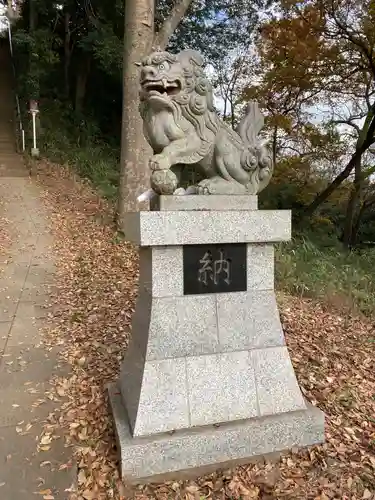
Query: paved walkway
point(29, 459)
point(26, 366)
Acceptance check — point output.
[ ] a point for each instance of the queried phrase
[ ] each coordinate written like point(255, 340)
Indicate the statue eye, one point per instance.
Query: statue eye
point(164, 66)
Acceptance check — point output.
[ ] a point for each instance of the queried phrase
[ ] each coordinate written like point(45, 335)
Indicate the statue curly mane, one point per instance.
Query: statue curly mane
point(196, 99)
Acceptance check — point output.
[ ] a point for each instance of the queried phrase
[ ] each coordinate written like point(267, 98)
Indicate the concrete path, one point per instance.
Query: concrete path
point(30, 459)
point(31, 466)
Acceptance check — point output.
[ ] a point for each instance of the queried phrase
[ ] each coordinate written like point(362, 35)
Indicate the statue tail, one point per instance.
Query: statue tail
point(255, 159)
point(251, 124)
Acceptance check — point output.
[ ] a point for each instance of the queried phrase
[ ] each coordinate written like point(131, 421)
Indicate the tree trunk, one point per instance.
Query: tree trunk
point(274, 144)
point(170, 24)
point(357, 224)
point(135, 152)
point(364, 141)
point(353, 205)
point(67, 54)
point(81, 82)
point(139, 39)
point(324, 195)
point(33, 64)
point(232, 113)
point(225, 109)
point(32, 16)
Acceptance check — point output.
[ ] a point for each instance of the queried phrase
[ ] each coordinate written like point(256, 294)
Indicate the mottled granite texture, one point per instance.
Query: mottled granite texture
point(207, 378)
point(191, 451)
point(193, 227)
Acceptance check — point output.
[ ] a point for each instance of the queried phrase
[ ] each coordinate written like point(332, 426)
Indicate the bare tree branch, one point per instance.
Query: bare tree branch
point(169, 25)
point(363, 143)
point(353, 39)
point(346, 122)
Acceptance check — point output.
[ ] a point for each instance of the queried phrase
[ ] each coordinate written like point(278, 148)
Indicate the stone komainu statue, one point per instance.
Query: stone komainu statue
point(183, 128)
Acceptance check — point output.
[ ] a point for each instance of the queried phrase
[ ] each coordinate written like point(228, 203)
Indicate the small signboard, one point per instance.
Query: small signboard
point(34, 106)
point(215, 268)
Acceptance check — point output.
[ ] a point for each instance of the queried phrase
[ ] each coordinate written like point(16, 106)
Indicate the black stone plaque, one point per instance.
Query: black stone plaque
point(215, 268)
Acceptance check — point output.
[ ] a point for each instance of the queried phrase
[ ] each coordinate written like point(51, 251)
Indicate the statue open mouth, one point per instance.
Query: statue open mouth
point(161, 88)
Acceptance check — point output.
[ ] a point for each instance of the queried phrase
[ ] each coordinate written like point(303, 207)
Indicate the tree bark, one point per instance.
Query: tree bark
point(353, 205)
point(357, 224)
point(274, 144)
point(232, 113)
point(134, 173)
point(81, 82)
point(67, 53)
point(33, 63)
point(32, 16)
point(139, 39)
point(170, 24)
point(365, 139)
point(324, 195)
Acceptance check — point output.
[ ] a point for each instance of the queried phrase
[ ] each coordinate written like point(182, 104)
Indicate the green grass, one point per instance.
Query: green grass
point(80, 145)
point(346, 279)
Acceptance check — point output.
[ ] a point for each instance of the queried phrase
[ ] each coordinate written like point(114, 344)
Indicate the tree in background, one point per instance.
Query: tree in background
point(70, 55)
point(311, 69)
point(316, 60)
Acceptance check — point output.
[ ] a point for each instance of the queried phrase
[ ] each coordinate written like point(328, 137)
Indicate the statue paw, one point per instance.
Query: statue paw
point(159, 162)
point(203, 187)
point(218, 185)
point(192, 190)
point(203, 190)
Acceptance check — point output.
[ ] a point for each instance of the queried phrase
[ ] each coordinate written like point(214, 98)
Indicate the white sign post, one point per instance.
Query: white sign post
point(34, 111)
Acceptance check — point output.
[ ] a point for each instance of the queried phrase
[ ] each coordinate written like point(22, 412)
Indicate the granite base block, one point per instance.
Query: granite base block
point(177, 393)
point(204, 202)
point(198, 227)
point(149, 458)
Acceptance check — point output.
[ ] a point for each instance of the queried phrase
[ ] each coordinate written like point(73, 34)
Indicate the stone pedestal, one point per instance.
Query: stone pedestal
point(207, 377)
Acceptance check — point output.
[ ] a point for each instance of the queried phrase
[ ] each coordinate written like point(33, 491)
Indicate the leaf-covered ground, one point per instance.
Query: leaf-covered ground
point(92, 308)
point(5, 239)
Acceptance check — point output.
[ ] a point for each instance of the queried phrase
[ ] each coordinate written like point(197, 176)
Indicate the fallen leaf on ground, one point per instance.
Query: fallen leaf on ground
point(90, 317)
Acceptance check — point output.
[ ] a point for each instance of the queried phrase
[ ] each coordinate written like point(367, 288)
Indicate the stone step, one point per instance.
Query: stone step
point(8, 156)
point(14, 172)
point(10, 159)
point(11, 167)
point(14, 175)
point(8, 151)
point(10, 162)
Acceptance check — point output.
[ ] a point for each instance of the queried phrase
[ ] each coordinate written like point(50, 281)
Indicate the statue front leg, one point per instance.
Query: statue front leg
point(185, 150)
point(160, 161)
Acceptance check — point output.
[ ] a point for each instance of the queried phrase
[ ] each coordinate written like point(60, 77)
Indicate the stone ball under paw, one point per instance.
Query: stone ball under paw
point(164, 181)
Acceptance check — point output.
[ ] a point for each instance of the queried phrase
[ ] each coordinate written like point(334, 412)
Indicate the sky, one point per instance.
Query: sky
point(3, 25)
